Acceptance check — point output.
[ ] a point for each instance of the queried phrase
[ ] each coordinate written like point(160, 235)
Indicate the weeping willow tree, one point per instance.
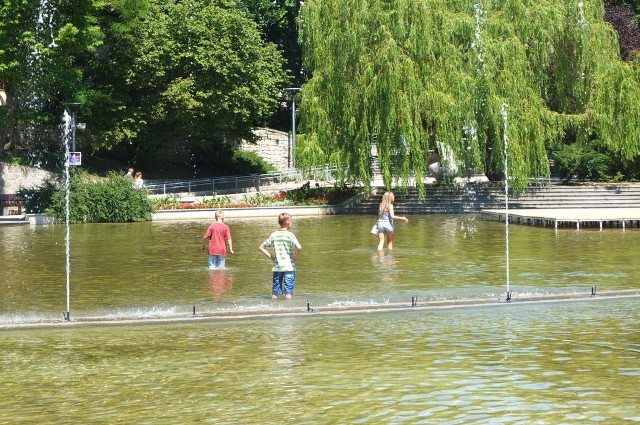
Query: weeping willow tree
point(412, 75)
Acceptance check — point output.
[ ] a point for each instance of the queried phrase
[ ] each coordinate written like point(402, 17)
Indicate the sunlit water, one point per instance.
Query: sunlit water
point(565, 363)
point(153, 267)
point(568, 362)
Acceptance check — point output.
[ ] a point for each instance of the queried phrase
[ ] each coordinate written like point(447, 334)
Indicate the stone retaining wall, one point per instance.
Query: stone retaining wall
point(272, 145)
point(16, 177)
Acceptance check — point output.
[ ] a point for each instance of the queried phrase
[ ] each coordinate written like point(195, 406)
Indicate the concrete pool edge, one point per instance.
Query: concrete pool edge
point(308, 310)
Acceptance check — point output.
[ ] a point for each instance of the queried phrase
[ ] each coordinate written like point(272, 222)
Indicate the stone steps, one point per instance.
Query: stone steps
point(475, 198)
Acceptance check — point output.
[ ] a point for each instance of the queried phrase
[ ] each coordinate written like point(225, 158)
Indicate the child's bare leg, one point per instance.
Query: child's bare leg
point(390, 241)
point(380, 241)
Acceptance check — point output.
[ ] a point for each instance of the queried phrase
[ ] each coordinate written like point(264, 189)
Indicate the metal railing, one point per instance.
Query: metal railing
point(238, 184)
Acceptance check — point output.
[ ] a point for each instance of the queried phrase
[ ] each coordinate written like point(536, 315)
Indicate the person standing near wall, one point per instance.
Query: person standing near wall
point(218, 235)
point(138, 182)
point(385, 221)
point(286, 252)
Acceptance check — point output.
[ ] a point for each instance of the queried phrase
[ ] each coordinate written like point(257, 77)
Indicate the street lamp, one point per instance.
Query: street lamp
point(292, 92)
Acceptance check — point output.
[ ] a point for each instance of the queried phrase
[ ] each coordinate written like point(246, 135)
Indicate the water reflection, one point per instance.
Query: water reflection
point(384, 264)
point(220, 281)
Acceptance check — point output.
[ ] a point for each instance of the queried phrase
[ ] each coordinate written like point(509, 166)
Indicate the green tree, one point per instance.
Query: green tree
point(277, 20)
point(43, 47)
point(186, 74)
point(468, 75)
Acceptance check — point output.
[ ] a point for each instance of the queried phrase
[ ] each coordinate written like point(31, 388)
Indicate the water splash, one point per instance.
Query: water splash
point(582, 21)
point(43, 36)
point(469, 140)
point(468, 226)
point(582, 28)
point(34, 90)
point(477, 45)
point(67, 133)
point(503, 112)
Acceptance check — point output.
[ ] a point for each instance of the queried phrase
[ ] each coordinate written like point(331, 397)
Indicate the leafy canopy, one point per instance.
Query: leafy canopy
point(470, 76)
point(183, 73)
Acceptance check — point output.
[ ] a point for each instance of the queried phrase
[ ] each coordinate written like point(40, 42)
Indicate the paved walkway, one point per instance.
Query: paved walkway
point(573, 217)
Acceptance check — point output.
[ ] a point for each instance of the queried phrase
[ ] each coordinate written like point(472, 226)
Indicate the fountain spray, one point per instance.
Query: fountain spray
point(503, 112)
point(66, 135)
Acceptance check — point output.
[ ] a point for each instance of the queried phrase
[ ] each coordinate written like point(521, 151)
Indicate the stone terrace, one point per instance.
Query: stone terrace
point(474, 198)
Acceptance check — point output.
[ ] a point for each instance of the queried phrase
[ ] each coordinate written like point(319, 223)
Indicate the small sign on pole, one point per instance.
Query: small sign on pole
point(75, 158)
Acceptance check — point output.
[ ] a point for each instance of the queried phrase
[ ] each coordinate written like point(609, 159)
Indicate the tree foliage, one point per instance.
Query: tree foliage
point(43, 49)
point(154, 76)
point(419, 74)
point(277, 21)
point(182, 73)
point(623, 19)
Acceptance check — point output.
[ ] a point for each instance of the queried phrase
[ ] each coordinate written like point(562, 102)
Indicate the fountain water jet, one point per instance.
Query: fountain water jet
point(67, 131)
point(503, 112)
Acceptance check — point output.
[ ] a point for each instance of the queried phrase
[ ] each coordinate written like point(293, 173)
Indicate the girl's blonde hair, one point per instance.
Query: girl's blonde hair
point(387, 199)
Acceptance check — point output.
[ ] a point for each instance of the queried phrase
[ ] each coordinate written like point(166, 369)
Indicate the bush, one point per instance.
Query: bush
point(246, 162)
point(320, 195)
point(38, 200)
point(106, 200)
point(583, 162)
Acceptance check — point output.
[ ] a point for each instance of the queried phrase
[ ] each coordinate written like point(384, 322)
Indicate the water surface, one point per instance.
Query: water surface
point(548, 363)
point(155, 267)
point(565, 362)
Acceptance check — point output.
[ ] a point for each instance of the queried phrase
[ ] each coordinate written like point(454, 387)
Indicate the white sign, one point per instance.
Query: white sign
point(75, 158)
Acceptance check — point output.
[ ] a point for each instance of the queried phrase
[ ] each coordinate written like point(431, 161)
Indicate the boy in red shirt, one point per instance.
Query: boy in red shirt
point(218, 235)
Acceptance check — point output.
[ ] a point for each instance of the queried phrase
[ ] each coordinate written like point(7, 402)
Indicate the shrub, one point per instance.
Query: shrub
point(583, 162)
point(317, 195)
point(38, 200)
point(246, 162)
point(106, 200)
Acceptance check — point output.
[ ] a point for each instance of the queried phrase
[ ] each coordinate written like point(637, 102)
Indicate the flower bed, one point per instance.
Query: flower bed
point(303, 196)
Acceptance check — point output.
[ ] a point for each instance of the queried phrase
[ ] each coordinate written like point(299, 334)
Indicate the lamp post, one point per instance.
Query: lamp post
point(292, 92)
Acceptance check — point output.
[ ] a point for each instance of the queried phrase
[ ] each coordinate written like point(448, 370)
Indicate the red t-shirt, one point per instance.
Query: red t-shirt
point(219, 234)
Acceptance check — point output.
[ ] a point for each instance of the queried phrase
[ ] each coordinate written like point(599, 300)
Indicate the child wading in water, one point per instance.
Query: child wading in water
point(286, 251)
point(385, 221)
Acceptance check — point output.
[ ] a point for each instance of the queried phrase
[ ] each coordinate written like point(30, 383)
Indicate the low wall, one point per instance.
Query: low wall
point(16, 177)
point(41, 219)
point(231, 213)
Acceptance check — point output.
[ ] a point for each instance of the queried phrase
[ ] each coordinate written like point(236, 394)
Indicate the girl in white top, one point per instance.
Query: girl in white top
point(138, 183)
point(385, 221)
